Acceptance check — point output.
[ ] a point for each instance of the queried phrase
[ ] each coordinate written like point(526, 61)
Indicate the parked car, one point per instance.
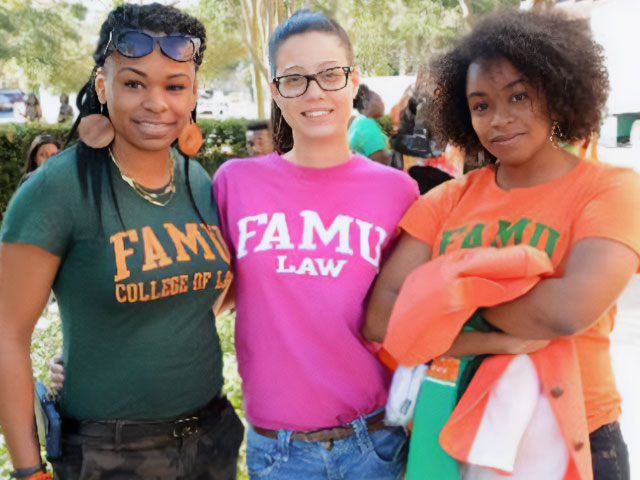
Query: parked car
point(5, 104)
point(12, 106)
point(6, 109)
point(16, 96)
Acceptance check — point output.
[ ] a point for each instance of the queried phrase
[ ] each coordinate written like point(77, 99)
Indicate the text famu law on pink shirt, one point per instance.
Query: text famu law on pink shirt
point(307, 244)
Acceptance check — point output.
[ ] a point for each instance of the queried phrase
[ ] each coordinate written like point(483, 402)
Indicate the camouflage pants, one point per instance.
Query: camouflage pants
point(209, 454)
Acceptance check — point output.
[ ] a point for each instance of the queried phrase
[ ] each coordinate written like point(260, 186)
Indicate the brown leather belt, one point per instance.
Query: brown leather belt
point(375, 422)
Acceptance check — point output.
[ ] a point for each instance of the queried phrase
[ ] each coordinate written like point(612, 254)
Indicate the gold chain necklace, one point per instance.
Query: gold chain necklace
point(155, 197)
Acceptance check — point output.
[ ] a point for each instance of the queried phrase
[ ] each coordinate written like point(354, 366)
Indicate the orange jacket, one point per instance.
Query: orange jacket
point(435, 301)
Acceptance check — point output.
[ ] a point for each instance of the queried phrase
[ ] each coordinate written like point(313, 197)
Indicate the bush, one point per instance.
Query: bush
point(223, 139)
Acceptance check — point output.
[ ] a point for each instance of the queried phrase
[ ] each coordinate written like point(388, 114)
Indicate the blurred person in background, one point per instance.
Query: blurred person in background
point(42, 147)
point(259, 140)
point(66, 112)
point(365, 134)
point(33, 111)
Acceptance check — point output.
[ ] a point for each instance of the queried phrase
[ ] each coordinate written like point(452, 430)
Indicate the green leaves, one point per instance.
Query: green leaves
point(44, 42)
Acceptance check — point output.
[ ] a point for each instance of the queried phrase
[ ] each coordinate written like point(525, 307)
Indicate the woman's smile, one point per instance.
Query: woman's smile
point(153, 128)
point(148, 111)
point(316, 116)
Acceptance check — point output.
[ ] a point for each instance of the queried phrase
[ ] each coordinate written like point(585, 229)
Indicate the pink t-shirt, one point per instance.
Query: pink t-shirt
point(307, 245)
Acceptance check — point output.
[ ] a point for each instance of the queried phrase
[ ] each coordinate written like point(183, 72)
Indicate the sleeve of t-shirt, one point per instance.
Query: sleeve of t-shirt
point(369, 137)
point(39, 215)
point(406, 196)
point(613, 212)
point(424, 218)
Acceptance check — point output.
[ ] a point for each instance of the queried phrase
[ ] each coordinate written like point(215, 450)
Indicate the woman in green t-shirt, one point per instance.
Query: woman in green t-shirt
point(365, 134)
point(122, 227)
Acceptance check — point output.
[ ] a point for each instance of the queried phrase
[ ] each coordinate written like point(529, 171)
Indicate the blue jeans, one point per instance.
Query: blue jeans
point(609, 453)
point(378, 455)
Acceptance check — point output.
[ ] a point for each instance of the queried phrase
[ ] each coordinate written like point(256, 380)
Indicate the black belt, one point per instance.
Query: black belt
point(124, 431)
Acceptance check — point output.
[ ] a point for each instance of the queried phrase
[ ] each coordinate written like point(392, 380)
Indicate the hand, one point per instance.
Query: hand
point(516, 346)
point(56, 372)
point(492, 343)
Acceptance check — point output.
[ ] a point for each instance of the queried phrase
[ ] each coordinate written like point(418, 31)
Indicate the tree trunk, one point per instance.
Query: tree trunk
point(466, 11)
point(259, 90)
point(256, 40)
point(541, 5)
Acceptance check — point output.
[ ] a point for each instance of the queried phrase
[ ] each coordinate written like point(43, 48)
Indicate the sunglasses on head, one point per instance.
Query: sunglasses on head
point(136, 44)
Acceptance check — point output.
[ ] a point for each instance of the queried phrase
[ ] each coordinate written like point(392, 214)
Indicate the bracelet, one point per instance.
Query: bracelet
point(29, 472)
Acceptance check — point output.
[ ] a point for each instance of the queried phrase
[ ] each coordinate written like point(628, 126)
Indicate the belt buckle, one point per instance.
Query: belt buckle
point(185, 427)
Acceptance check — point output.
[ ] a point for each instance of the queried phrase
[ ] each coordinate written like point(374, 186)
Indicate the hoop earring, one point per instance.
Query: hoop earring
point(190, 139)
point(96, 130)
point(555, 135)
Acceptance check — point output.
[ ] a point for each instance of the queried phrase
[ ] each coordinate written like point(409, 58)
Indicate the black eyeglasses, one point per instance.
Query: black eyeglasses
point(332, 79)
point(136, 44)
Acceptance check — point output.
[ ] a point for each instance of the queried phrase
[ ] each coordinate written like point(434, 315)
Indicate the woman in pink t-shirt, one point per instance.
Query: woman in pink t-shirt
point(308, 226)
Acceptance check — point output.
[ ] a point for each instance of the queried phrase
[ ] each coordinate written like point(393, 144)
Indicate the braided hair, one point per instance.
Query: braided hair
point(93, 163)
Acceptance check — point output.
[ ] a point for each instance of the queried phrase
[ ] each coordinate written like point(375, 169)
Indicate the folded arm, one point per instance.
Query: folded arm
point(596, 272)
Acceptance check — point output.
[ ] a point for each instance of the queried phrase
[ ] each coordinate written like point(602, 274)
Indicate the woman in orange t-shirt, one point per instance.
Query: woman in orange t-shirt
point(516, 87)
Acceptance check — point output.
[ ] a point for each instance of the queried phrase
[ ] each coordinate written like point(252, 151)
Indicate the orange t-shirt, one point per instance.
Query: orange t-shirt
point(592, 200)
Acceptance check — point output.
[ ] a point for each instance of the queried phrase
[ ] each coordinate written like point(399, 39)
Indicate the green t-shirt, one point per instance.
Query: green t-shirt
point(366, 136)
point(139, 337)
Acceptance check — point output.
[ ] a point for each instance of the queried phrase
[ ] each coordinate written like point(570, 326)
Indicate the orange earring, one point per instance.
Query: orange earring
point(96, 130)
point(190, 139)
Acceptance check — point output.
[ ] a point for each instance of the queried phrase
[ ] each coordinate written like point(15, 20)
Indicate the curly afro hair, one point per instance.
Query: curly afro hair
point(555, 54)
point(155, 18)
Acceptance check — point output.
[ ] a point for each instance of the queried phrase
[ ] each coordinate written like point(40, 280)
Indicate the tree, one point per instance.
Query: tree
point(472, 9)
point(225, 45)
point(42, 41)
point(539, 5)
point(244, 26)
point(398, 36)
point(388, 36)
